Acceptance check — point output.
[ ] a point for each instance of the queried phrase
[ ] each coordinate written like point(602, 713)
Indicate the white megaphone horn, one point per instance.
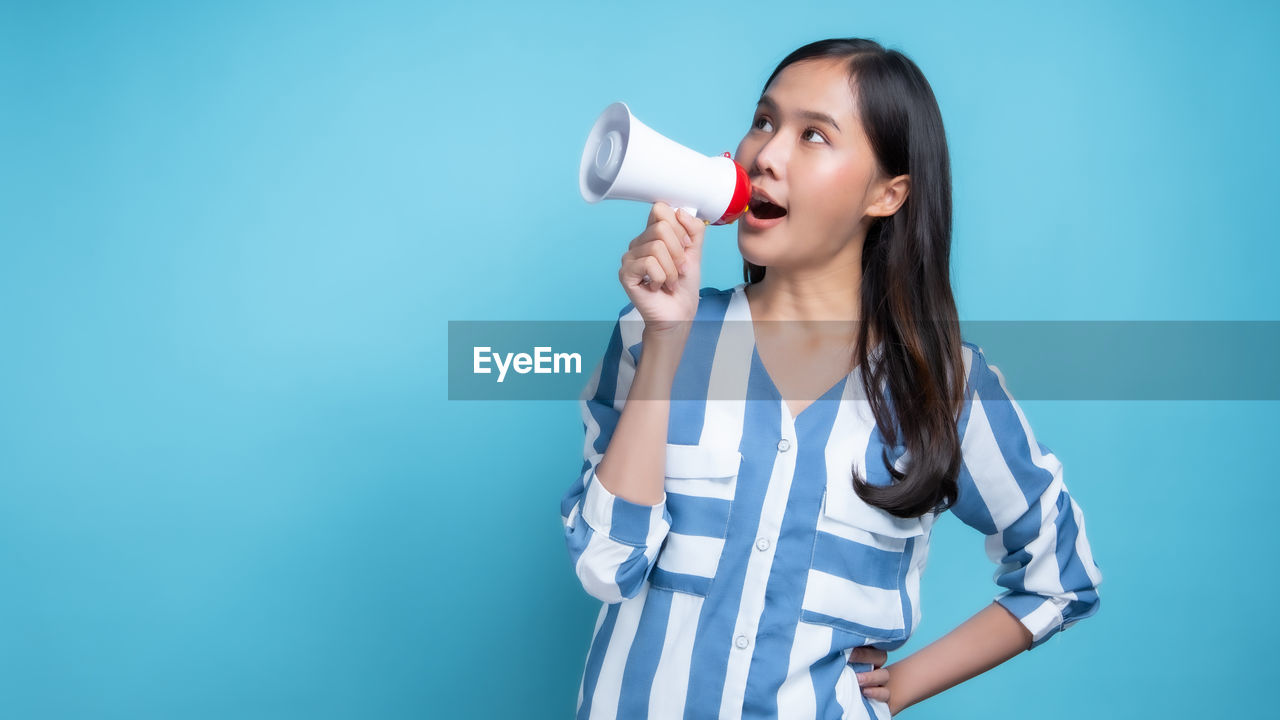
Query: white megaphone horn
point(627, 160)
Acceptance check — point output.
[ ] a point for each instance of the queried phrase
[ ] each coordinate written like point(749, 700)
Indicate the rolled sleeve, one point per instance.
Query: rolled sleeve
point(621, 520)
point(612, 542)
point(1011, 488)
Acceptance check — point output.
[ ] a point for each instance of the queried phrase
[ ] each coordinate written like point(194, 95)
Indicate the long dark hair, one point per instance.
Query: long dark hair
point(906, 281)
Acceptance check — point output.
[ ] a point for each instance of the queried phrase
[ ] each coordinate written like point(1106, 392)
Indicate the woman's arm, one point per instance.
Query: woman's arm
point(1011, 488)
point(634, 466)
point(982, 642)
point(614, 514)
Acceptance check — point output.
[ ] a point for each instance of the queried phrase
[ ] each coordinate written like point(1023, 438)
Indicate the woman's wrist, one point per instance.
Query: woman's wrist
point(667, 333)
point(666, 342)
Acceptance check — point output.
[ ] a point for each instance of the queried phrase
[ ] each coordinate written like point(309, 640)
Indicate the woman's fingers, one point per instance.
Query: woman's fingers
point(872, 678)
point(866, 654)
point(635, 269)
point(662, 213)
point(876, 693)
point(658, 252)
point(654, 271)
point(676, 242)
point(692, 226)
point(671, 232)
point(874, 683)
point(659, 255)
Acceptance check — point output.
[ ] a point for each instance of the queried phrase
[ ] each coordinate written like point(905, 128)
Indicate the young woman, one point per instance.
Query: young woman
point(763, 465)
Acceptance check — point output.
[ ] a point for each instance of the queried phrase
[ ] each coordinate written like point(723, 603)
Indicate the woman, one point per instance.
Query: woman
point(758, 559)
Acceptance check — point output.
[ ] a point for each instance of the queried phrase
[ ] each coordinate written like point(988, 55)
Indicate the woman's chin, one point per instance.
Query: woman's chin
point(757, 251)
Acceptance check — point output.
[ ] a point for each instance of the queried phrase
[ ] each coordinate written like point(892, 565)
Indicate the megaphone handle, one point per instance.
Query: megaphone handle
point(694, 213)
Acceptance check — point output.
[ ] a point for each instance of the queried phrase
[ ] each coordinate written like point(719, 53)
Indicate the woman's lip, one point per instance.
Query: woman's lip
point(760, 194)
point(751, 221)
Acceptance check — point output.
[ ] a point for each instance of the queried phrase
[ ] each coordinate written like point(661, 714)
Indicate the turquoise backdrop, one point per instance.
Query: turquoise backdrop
point(232, 234)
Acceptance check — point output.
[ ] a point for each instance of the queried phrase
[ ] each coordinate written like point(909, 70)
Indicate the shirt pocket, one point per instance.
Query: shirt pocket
point(857, 579)
point(700, 484)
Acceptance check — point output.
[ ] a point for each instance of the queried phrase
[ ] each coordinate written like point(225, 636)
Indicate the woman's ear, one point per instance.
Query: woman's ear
point(892, 192)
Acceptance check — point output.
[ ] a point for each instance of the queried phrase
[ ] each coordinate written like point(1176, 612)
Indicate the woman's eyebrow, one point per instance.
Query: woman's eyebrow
point(768, 102)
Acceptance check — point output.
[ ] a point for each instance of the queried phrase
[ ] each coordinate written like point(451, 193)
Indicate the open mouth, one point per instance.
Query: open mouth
point(764, 209)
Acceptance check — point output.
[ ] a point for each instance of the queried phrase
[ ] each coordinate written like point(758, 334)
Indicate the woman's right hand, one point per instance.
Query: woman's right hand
point(669, 252)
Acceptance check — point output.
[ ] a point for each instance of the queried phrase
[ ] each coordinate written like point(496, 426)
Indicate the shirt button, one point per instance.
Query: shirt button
point(762, 544)
point(741, 642)
point(784, 444)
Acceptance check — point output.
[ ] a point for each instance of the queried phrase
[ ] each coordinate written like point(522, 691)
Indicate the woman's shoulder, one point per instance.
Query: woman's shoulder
point(975, 362)
point(982, 376)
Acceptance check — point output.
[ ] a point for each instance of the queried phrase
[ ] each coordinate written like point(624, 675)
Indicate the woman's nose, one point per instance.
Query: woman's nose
point(768, 159)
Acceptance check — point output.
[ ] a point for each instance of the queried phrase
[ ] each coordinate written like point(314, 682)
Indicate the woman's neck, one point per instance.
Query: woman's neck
point(816, 303)
point(829, 292)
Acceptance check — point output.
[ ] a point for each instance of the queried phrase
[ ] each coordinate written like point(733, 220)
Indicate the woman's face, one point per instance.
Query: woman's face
point(822, 170)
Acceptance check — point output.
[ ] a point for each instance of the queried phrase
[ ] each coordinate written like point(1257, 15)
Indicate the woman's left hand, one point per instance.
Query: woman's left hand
point(874, 683)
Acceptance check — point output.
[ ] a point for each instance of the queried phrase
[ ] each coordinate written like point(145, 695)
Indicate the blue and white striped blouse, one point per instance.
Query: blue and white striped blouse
point(743, 592)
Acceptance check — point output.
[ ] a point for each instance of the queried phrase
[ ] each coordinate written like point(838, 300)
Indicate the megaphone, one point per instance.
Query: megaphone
point(625, 159)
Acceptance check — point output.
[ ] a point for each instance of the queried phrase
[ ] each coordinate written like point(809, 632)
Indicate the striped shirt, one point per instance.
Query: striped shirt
point(743, 592)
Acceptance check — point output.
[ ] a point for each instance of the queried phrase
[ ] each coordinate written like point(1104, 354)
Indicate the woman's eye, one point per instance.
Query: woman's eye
point(763, 119)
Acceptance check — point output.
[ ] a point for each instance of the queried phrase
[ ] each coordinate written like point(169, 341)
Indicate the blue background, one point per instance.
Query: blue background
point(232, 485)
